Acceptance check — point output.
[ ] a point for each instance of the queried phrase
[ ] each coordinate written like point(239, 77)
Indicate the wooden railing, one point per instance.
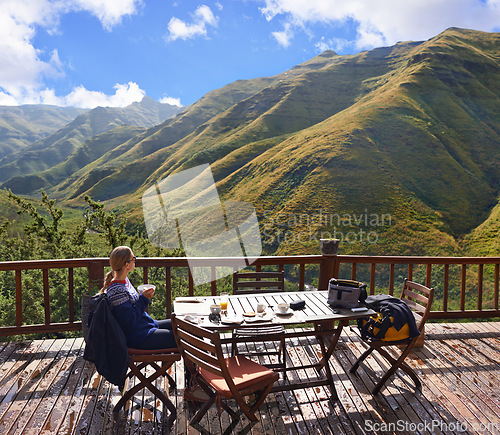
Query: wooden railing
point(472, 279)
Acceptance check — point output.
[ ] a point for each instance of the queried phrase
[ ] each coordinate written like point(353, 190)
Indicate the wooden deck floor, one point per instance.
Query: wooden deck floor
point(46, 387)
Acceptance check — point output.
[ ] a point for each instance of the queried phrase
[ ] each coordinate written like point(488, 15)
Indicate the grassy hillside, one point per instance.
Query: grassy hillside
point(130, 164)
point(66, 172)
point(484, 240)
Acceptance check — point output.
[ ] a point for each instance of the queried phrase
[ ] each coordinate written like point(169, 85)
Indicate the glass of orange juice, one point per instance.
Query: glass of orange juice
point(223, 301)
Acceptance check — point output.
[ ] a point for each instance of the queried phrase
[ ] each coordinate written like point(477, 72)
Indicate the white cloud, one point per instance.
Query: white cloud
point(24, 68)
point(323, 44)
point(124, 95)
point(385, 22)
point(202, 18)
point(172, 101)
point(109, 12)
point(284, 38)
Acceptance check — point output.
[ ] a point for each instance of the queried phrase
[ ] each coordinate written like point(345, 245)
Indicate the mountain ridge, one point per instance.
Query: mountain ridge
point(54, 149)
point(26, 124)
point(409, 131)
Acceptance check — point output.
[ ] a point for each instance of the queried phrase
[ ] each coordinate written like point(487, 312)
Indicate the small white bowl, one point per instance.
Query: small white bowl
point(143, 287)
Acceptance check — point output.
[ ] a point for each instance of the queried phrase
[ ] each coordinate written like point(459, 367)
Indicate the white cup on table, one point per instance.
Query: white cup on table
point(283, 308)
point(215, 309)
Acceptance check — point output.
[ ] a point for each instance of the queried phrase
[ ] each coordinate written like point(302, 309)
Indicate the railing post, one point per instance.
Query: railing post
point(96, 276)
point(328, 267)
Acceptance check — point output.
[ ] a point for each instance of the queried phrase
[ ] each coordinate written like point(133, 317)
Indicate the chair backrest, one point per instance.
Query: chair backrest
point(258, 282)
point(419, 298)
point(199, 347)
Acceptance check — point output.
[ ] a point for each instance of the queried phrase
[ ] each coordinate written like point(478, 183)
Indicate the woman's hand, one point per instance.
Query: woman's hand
point(149, 293)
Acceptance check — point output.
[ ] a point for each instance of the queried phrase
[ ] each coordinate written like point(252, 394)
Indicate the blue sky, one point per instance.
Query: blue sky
point(87, 53)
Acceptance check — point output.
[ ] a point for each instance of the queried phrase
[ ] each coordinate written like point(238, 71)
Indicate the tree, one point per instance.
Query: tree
point(101, 221)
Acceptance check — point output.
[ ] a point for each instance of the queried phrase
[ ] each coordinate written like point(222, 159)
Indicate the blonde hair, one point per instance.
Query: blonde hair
point(117, 259)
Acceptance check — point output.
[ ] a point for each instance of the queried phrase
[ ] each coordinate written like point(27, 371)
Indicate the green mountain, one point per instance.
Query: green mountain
point(142, 149)
point(21, 126)
point(67, 171)
point(393, 150)
point(59, 146)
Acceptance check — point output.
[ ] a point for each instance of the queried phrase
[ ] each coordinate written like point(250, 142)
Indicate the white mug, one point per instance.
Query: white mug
point(215, 309)
point(283, 308)
point(261, 307)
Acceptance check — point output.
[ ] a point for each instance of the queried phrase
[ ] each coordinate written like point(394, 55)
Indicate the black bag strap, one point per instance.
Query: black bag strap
point(347, 282)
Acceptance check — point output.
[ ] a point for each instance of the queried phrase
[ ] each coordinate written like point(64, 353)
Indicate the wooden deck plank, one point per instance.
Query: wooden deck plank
point(379, 407)
point(81, 378)
point(412, 400)
point(46, 387)
point(313, 401)
point(458, 402)
point(338, 416)
point(389, 401)
point(471, 372)
point(22, 363)
point(42, 392)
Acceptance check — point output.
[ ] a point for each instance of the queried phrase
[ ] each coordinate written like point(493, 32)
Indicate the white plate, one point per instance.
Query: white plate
point(258, 319)
point(192, 319)
point(283, 314)
point(188, 300)
point(231, 321)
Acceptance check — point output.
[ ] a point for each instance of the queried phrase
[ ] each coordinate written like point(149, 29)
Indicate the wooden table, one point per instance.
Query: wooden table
point(316, 312)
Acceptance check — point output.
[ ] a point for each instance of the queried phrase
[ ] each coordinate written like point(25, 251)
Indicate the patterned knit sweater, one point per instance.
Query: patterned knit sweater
point(129, 310)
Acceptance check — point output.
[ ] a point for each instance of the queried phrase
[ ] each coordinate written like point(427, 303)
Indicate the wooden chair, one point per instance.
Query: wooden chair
point(160, 360)
point(260, 282)
point(221, 378)
point(419, 299)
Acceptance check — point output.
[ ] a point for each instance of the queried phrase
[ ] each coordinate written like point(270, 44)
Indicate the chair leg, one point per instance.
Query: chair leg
point(146, 382)
point(204, 408)
point(233, 414)
point(361, 359)
point(260, 398)
point(395, 364)
point(234, 348)
point(283, 356)
point(247, 410)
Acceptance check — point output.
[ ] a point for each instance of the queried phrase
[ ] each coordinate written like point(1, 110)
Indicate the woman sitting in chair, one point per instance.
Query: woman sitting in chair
point(129, 308)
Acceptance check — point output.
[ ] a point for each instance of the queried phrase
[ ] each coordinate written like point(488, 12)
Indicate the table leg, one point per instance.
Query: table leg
point(333, 343)
point(327, 353)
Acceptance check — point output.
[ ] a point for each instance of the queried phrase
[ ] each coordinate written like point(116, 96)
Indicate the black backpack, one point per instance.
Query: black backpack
point(393, 322)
